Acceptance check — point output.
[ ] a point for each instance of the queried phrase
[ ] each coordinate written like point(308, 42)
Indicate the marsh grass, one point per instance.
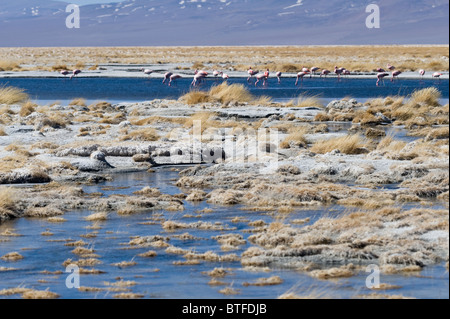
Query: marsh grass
point(11, 95)
point(296, 138)
point(2, 131)
point(305, 100)
point(27, 109)
point(222, 93)
point(351, 145)
point(144, 135)
point(8, 65)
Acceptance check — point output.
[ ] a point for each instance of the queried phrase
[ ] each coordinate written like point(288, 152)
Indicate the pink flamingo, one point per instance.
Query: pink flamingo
point(216, 73)
point(381, 70)
point(198, 77)
point(325, 72)
point(264, 77)
point(173, 78)
point(64, 72)
point(338, 71)
point(395, 74)
point(300, 75)
point(167, 77)
point(147, 71)
point(225, 76)
point(251, 73)
point(390, 67)
point(437, 75)
point(346, 72)
point(314, 69)
point(422, 72)
point(75, 73)
point(381, 77)
point(279, 74)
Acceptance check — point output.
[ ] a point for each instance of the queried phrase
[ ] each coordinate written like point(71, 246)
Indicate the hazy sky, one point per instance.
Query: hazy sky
point(82, 2)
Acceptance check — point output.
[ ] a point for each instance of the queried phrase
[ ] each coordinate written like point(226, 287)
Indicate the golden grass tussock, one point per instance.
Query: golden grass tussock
point(97, 217)
point(27, 109)
point(351, 145)
point(308, 101)
point(2, 131)
point(8, 65)
point(78, 102)
point(13, 256)
point(143, 135)
point(296, 138)
point(271, 281)
point(222, 93)
point(429, 96)
point(8, 203)
point(11, 95)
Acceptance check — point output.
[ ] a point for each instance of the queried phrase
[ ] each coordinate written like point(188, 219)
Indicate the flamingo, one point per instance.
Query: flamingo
point(346, 72)
point(325, 72)
point(225, 76)
point(314, 69)
point(251, 73)
point(381, 77)
point(173, 78)
point(279, 74)
point(198, 78)
point(147, 71)
point(167, 77)
point(437, 75)
point(422, 72)
point(395, 74)
point(75, 73)
point(264, 77)
point(300, 75)
point(338, 71)
point(390, 67)
point(216, 73)
point(381, 70)
point(64, 72)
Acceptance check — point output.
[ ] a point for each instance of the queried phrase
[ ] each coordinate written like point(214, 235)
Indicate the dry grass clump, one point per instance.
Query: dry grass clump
point(222, 93)
point(429, 96)
point(78, 102)
point(2, 131)
point(11, 95)
point(271, 281)
point(333, 273)
point(308, 101)
point(8, 65)
point(8, 199)
point(296, 138)
point(351, 145)
point(97, 217)
point(144, 135)
point(27, 109)
point(14, 256)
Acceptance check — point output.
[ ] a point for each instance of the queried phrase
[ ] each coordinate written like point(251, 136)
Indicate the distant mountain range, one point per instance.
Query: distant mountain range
point(224, 22)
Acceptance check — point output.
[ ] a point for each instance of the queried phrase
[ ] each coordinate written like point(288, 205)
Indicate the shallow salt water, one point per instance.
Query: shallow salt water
point(157, 277)
point(49, 90)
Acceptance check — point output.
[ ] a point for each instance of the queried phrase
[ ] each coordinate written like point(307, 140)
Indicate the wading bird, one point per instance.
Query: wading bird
point(251, 74)
point(381, 76)
point(173, 78)
point(64, 72)
point(167, 77)
point(75, 73)
point(264, 77)
point(300, 75)
point(437, 75)
point(314, 69)
point(279, 74)
point(325, 72)
point(390, 67)
point(422, 72)
point(147, 71)
point(395, 74)
point(338, 72)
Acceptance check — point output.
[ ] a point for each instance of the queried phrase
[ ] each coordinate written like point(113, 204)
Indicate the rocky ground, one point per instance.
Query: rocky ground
point(273, 157)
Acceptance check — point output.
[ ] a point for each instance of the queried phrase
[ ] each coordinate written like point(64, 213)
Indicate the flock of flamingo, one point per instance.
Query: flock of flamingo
point(200, 75)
